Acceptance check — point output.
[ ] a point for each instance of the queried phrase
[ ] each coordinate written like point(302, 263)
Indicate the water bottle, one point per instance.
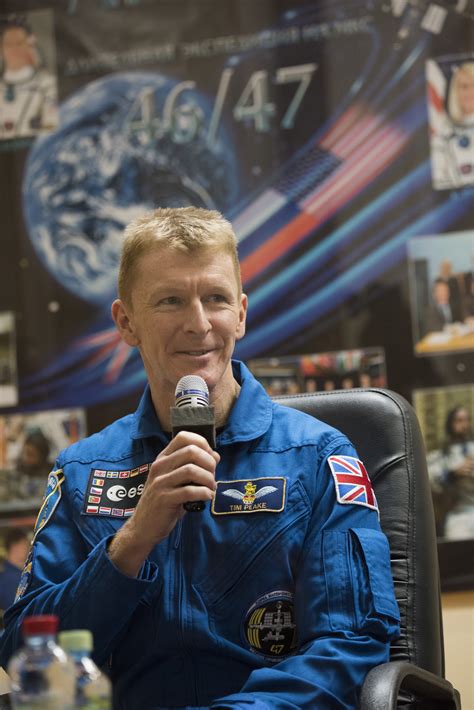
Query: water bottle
point(42, 676)
point(93, 688)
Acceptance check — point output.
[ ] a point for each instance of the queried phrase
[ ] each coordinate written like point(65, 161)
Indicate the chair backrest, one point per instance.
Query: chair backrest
point(383, 427)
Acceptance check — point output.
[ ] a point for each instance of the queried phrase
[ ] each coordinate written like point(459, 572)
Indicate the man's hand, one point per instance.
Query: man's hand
point(184, 471)
point(466, 469)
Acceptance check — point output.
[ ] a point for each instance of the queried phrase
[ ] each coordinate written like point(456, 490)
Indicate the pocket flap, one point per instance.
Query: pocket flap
point(376, 551)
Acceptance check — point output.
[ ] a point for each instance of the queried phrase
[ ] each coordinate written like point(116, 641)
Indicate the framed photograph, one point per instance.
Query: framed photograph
point(29, 445)
point(450, 97)
point(28, 81)
point(342, 369)
point(441, 269)
point(446, 415)
point(8, 361)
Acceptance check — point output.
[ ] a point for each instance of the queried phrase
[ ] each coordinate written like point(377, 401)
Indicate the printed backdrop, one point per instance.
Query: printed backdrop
point(323, 130)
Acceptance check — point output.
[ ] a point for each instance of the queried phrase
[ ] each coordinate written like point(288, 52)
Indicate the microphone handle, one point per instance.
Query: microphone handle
point(199, 420)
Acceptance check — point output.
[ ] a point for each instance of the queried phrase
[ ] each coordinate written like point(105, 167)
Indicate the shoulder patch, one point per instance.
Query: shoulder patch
point(25, 575)
point(353, 485)
point(114, 493)
point(51, 499)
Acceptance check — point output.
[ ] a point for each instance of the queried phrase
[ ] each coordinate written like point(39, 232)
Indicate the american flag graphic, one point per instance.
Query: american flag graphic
point(352, 481)
point(339, 165)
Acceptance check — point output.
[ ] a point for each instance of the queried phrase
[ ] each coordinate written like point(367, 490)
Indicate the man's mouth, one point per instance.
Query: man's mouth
point(195, 353)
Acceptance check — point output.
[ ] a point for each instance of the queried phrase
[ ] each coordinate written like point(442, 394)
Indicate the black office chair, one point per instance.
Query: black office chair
point(384, 429)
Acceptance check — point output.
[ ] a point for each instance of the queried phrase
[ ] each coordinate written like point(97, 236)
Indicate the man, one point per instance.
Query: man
point(452, 477)
point(439, 312)
point(276, 595)
point(16, 548)
point(28, 92)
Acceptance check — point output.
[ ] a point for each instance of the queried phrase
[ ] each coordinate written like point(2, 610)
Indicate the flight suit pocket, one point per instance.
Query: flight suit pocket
point(359, 586)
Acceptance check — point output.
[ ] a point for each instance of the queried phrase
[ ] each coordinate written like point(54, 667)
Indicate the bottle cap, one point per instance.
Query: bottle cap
point(76, 640)
point(40, 624)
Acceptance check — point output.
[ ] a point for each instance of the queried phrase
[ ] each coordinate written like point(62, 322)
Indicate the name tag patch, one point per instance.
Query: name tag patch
point(114, 493)
point(258, 495)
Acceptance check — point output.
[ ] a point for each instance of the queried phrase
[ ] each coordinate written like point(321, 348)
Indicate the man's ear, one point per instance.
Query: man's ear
point(240, 330)
point(123, 321)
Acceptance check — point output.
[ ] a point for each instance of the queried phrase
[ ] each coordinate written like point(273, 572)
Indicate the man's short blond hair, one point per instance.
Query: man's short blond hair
point(454, 108)
point(180, 229)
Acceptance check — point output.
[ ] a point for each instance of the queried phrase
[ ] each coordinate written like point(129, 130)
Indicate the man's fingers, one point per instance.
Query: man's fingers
point(187, 438)
point(189, 473)
point(189, 454)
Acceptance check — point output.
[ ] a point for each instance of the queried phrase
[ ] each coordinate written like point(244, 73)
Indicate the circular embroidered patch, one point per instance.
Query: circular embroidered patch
point(269, 627)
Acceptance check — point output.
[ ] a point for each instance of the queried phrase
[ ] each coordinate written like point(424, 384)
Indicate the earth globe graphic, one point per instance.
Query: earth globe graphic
point(126, 144)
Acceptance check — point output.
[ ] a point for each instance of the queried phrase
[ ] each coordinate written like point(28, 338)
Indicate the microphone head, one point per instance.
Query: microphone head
point(191, 391)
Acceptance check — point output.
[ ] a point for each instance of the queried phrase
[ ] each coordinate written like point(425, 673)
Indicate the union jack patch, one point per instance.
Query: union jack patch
point(352, 482)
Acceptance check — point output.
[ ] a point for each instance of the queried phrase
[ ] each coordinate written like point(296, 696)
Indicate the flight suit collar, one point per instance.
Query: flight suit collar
point(250, 416)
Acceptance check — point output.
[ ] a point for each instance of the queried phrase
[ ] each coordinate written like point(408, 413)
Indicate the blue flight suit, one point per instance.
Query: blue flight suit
point(275, 597)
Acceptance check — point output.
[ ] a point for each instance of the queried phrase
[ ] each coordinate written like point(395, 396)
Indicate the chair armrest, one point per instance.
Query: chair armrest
point(382, 683)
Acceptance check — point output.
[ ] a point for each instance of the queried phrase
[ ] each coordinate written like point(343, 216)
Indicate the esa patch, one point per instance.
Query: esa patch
point(269, 627)
point(51, 500)
point(114, 493)
point(259, 495)
point(352, 482)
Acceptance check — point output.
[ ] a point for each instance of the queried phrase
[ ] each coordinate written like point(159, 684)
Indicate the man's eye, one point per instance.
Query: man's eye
point(217, 298)
point(169, 301)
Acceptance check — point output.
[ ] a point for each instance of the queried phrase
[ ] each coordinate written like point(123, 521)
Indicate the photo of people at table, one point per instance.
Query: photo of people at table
point(441, 280)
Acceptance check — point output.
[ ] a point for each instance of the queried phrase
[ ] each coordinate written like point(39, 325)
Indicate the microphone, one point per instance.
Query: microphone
point(192, 412)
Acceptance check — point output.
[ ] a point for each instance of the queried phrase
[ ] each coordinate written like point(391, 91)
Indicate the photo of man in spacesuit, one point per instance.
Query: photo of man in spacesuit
point(28, 91)
point(452, 142)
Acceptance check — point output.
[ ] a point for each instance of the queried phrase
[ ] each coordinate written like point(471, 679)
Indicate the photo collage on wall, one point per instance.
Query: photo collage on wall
point(337, 138)
point(321, 372)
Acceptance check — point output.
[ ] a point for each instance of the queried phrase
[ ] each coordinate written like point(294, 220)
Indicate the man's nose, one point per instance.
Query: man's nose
point(197, 320)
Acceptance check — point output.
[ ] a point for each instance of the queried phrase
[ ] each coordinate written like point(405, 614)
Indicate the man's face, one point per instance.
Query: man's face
point(186, 315)
point(461, 423)
point(441, 294)
point(18, 553)
point(17, 48)
point(465, 87)
point(30, 456)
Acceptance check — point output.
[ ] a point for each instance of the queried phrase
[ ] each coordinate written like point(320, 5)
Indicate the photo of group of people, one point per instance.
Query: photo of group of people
point(29, 444)
point(344, 369)
point(446, 416)
point(450, 90)
point(28, 82)
point(441, 275)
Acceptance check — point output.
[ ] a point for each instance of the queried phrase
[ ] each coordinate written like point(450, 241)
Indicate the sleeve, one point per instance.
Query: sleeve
point(345, 608)
point(65, 577)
